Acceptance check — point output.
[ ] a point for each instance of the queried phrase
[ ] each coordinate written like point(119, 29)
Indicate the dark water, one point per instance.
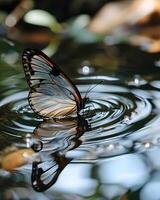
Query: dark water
point(111, 152)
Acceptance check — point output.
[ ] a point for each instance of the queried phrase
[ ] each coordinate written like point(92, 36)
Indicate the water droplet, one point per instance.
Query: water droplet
point(86, 68)
point(148, 145)
point(28, 140)
point(34, 182)
point(126, 119)
point(110, 147)
point(137, 81)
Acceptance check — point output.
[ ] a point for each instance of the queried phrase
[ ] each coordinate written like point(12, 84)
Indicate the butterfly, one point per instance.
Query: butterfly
point(61, 135)
point(58, 137)
point(45, 173)
point(52, 93)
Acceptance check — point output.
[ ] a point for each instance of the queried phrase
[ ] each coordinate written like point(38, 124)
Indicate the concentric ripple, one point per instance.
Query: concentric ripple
point(17, 117)
point(114, 111)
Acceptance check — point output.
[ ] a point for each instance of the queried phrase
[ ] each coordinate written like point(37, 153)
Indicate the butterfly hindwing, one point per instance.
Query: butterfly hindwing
point(52, 93)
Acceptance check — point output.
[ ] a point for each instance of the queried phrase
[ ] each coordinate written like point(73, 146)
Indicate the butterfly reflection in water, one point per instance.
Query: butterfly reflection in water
point(52, 94)
point(58, 137)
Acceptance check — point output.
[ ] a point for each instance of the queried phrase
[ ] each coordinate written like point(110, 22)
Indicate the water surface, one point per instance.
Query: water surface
point(110, 152)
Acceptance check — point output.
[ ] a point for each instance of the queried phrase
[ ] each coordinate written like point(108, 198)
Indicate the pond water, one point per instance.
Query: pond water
point(110, 152)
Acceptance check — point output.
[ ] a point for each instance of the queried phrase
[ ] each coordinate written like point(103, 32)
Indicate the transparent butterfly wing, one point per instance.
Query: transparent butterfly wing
point(59, 136)
point(45, 173)
point(52, 93)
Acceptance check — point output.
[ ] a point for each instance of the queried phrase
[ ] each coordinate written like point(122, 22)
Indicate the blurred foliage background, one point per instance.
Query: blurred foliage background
point(136, 22)
point(81, 32)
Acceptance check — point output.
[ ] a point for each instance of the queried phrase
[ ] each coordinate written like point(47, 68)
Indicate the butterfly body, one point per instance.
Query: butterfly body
point(52, 94)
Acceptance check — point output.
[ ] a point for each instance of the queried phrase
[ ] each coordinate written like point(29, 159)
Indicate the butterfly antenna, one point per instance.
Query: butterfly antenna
point(92, 87)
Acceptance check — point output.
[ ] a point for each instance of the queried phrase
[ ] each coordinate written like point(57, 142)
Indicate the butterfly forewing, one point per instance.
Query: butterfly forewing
point(52, 93)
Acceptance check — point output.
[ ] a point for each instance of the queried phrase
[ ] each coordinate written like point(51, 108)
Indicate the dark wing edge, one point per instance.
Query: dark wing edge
point(26, 59)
